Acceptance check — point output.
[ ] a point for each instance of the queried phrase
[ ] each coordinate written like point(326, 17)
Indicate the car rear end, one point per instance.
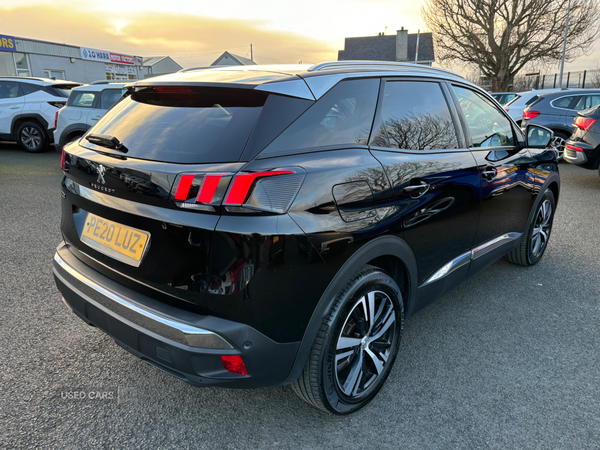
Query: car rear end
point(50, 99)
point(583, 147)
point(171, 247)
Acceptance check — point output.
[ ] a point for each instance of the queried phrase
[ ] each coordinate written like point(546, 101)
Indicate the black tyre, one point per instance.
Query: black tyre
point(534, 244)
point(32, 137)
point(356, 345)
point(558, 142)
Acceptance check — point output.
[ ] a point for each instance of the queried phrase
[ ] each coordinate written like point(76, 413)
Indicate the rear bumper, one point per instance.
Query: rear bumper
point(586, 158)
point(186, 345)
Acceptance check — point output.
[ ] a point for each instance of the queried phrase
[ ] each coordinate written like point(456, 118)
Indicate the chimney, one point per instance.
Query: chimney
point(402, 45)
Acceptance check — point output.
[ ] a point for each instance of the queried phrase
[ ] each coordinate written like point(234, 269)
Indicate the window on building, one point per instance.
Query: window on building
point(7, 65)
point(22, 64)
point(57, 74)
point(415, 116)
point(110, 76)
point(132, 77)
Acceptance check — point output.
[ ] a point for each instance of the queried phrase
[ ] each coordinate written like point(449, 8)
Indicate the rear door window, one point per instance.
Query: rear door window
point(183, 125)
point(343, 116)
point(414, 116)
point(488, 126)
point(28, 88)
point(82, 99)
point(9, 89)
point(586, 102)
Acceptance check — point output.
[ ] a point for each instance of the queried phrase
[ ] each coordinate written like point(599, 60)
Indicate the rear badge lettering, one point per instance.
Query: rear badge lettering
point(102, 188)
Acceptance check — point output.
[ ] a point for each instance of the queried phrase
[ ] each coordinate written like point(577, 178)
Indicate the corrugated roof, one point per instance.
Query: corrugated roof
point(383, 48)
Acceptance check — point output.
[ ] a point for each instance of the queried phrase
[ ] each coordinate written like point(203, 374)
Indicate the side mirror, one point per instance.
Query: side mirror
point(538, 137)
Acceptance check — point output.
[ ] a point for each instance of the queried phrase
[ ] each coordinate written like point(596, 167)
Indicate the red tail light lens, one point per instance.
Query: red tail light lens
point(270, 191)
point(572, 147)
point(584, 123)
point(62, 160)
point(234, 364)
point(528, 115)
point(243, 182)
point(56, 118)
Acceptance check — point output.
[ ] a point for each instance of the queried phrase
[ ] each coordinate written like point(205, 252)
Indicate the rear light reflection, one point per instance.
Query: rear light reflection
point(56, 118)
point(584, 123)
point(572, 147)
point(528, 115)
point(234, 364)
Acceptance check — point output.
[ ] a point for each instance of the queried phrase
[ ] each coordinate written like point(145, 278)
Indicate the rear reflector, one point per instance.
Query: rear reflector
point(528, 115)
point(584, 123)
point(234, 364)
point(572, 147)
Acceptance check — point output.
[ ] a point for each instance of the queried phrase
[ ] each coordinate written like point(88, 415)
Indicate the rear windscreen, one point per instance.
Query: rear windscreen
point(183, 125)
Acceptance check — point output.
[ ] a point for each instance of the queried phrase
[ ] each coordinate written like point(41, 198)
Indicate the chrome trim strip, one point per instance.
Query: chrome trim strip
point(467, 257)
point(180, 332)
point(450, 267)
point(379, 65)
point(296, 88)
point(493, 244)
point(191, 219)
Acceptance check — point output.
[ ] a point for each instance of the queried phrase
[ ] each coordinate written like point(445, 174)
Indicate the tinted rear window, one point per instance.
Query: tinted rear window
point(532, 100)
point(183, 125)
point(563, 102)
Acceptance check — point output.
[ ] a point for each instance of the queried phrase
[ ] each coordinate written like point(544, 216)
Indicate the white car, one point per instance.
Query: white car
point(86, 105)
point(516, 106)
point(28, 107)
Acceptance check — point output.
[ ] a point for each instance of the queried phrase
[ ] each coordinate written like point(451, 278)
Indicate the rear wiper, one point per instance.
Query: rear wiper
point(107, 141)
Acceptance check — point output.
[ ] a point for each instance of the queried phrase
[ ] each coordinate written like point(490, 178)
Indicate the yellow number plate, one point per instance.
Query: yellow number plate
point(124, 243)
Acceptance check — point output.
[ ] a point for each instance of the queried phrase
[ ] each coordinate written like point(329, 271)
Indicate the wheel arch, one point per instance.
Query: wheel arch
point(70, 130)
point(391, 254)
point(34, 117)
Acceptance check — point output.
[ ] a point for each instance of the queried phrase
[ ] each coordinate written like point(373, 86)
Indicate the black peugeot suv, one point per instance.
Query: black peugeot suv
point(275, 225)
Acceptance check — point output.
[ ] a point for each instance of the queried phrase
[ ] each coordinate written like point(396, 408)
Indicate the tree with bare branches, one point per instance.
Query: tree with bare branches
point(503, 36)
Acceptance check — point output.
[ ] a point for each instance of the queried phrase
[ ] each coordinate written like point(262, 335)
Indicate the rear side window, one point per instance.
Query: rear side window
point(183, 125)
point(563, 102)
point(110, 96)
point(82, 99)
point(343, 116)
point(415, 116)
point(586, 102)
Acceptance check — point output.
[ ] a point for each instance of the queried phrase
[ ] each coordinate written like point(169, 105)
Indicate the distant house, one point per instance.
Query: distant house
point(159, 65)
point(229, 59)
point(399, 47)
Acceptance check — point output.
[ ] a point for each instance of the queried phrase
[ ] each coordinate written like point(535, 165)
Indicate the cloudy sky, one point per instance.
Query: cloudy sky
point(196, 32)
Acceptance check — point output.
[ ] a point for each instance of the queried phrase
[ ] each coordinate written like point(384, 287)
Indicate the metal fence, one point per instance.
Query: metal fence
point(577, 79)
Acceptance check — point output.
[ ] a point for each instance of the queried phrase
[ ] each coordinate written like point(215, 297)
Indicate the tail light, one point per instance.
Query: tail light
point(270, 191)
point(234, 364)
point(528, 115)
point(584, 123)
point(572, 147)
point(57, 104)
point(62, 160)
point(56, 118)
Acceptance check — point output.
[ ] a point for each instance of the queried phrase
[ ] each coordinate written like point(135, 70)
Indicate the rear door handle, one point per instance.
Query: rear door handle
point(96, 118)
point(416, 190)
point(14, 107)
point(489, 173)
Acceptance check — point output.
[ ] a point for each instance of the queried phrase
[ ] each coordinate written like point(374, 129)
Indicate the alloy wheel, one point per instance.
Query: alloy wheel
point(31, 138)
point(541, 229)
point(559, 144)
point(364, 345)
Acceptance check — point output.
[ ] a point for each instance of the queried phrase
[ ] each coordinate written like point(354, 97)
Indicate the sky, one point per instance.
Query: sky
point(196, 32)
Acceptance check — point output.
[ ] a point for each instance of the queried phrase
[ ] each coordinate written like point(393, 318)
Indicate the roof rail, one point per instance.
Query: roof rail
point(23, 78)
point(378, 65)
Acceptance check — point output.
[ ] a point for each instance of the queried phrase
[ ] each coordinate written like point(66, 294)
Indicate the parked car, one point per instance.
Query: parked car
point(583, 147)
point(504, 97)
point(86, 105)
point(516, 106)
point(27, 108)
point(276, 225)
point(558, 110)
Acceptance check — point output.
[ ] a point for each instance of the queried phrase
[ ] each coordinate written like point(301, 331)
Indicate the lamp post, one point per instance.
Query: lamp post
point(562, 64)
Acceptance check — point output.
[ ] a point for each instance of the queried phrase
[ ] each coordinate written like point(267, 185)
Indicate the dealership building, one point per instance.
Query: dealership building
point(33, 58)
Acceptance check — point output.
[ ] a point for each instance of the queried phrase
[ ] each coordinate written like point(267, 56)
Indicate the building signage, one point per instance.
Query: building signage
point(107, 57)
point(7, 44)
